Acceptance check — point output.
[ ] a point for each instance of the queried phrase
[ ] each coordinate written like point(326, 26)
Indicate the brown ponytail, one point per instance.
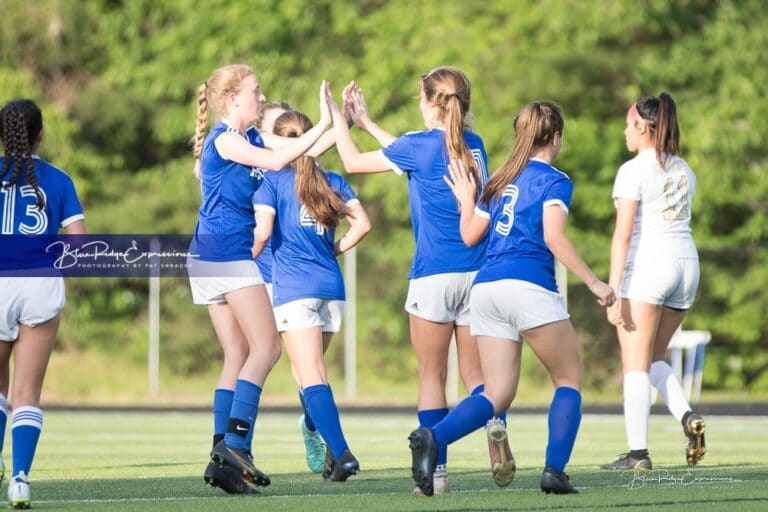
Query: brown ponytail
point(202, 117)
point(320, 200)
point(535, 127)
point(449, 90)
point(21, 122)
point(661, 116)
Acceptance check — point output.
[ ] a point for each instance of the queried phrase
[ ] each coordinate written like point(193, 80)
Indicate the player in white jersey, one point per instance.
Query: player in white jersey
point(298, 210)
point(524, 207)
point(655, 270)
point(36, 199)
point(443, 266)
point(230, 163)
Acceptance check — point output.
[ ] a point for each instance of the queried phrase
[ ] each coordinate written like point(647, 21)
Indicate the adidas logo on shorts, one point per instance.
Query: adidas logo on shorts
point(415, 306)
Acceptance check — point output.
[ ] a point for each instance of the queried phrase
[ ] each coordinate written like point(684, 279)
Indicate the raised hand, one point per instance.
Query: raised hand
point(325, 104)
point(355, 102)
point(462, 183)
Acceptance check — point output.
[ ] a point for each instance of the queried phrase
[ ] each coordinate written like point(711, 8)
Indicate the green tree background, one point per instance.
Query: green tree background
point(117, 81)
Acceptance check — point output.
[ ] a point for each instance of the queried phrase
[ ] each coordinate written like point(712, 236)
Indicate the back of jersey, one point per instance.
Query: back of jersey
point(23, 222)
point(665, 196)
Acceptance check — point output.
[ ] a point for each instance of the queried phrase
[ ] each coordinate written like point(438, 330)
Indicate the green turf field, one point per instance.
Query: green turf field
point(154, 461)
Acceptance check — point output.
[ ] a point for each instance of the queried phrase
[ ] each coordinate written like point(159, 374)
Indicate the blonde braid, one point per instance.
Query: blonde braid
point(202, 117)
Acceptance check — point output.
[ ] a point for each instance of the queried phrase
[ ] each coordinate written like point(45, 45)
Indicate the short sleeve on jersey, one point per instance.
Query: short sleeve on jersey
point(401, 155)
point(71, 210)
point(265, 197)
point(560, 193)
point(482, 211)
point(345, 191)
point(627, 184)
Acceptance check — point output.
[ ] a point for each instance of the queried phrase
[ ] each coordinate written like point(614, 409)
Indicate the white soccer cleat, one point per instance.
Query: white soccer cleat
point(18, 491)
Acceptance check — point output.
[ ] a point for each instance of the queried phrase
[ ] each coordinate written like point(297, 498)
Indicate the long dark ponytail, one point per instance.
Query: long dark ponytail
point(661, 115)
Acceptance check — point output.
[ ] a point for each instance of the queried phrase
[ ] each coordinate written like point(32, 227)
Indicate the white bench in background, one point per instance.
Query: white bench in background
point(686, 356)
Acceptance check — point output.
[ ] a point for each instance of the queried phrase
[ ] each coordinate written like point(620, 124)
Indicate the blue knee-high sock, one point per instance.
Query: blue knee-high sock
point(502, 415)
point(3, 420)
point(222, 407)
point(26, 424)
point(564, 419)
point(307, 418)
point(428, 418)
point(472, 413)
point(322, 408)
point(245, 406)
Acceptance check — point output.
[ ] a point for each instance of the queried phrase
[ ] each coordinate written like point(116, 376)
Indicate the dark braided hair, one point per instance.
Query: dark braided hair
point(21, 122)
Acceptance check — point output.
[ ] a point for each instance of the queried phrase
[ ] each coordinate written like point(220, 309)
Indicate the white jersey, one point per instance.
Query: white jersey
point(665, 196)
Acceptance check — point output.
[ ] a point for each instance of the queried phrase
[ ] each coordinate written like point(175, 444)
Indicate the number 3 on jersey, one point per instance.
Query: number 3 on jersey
point(504, 224)
point(39, 220)
point(308, 220)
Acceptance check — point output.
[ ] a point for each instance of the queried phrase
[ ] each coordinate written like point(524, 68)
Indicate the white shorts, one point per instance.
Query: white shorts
point(210, 280)
point(505, 308)
point(30, 301)
point(670, 282)
point(441, 297)
point(306, 313)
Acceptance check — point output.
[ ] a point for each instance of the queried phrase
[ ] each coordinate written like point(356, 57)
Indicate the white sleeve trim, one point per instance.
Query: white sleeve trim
point(74, 218)
point(557, 202)
point(353, 201)
point(482, 213)
point(392, 164)
point(264, 208)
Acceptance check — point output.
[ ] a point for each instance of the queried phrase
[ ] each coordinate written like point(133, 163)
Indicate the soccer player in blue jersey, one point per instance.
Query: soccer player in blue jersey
point(443, 266)
point(300, 209)
point(223, 275)
point(524, 207)
point(314, 447)
point(655, 269)
point(36, 198)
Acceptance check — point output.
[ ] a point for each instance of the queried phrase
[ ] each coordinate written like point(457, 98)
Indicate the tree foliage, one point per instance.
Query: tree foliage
point(117, 82)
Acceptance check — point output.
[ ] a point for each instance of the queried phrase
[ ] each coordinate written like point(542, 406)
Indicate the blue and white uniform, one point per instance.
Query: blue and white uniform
point(221, 259)
point(662, 264)
point(515, 290)
point(305, 272)
point(443, 266)
point(33, 300)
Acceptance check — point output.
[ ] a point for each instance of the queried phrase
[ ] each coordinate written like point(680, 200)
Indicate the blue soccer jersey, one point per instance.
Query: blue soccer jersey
point(19, 214)
point(224, 230)
point(304, 263)
point(25, 225)
point(434, 210)
point(264, 262)
point(516, 248)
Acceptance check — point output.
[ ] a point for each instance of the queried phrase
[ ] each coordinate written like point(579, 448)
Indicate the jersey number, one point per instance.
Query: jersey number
point(504, 224)
point(307, 220)
point(676, 193)
point(39, 221)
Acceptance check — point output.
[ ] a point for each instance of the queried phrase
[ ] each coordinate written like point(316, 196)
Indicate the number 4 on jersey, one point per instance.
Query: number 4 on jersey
point(307, 220)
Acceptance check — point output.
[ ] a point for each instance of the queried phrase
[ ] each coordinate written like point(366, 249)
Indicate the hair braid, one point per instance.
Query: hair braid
point(202, 117)
point(17, 140)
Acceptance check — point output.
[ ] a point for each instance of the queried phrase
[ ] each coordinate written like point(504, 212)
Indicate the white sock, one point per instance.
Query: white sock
point(637, 408)
point(664, 380)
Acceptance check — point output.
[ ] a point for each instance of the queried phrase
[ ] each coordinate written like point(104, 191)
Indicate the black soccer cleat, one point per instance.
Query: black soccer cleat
point(343, 468)
point(423, 459)
point(328, 464)
point(227, 478)
point(627, 462)
point(694, 430)
point(240, 460)
point(556, 483)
